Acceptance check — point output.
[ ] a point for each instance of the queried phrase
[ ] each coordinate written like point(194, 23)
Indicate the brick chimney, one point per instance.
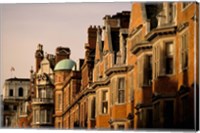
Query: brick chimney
point(92, 37)
point(62, 53)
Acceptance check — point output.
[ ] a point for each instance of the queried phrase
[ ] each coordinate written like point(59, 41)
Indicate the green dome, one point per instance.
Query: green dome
point(65, 64)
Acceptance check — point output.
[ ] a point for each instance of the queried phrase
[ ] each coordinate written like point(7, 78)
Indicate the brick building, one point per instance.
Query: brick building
point(139, 71)
point(163, 50)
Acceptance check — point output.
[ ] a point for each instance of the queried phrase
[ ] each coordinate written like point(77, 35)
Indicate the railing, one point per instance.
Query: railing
point(42, 100)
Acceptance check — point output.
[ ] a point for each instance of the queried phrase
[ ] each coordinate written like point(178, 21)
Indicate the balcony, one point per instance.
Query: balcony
point(42, 101)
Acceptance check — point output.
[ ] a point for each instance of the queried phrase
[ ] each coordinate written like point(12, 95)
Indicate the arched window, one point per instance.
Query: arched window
point(20, 92)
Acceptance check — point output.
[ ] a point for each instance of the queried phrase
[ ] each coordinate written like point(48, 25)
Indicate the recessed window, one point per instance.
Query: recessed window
point(20, 92)
point(105, 102)
point(59, 102)
point(168, 114)
point(121, 126)
point(169, 58)
point(121, 90)
point(10, 92)
point(184, 51)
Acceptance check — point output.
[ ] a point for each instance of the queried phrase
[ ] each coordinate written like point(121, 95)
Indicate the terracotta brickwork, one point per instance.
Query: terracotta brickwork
point(140, 71)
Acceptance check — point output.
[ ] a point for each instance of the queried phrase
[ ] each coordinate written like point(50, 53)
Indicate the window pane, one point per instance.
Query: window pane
point(121, 92)
point(104, 101)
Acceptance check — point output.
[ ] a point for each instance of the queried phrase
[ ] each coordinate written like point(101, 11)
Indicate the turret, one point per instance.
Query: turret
point(39, 55)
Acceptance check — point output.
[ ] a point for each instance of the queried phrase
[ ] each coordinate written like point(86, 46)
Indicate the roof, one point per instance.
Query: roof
point(65, 64)
point(18, 79)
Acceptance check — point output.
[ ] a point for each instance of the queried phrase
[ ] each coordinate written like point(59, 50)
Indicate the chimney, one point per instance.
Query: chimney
point(92, 37)
point(62, 53)
point(39, 55)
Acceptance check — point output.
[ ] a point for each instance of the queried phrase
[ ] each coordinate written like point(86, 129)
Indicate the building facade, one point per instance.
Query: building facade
point(15, 94)
point(140, 71)
point(164, 51)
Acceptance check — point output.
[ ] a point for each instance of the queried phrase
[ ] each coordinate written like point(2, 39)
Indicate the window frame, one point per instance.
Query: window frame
point(11, 90)
point(119, 89)
point(104, 101)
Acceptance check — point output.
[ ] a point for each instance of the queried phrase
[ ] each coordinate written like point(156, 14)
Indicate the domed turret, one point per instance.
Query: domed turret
point(65, 64)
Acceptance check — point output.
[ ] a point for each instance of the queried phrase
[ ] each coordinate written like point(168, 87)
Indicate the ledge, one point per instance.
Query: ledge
point(140, 47)
point(164, 30)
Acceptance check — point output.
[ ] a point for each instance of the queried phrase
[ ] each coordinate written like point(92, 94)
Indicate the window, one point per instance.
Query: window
point(59, 102)
point(42, 116)
point(185, 111)
point(105, 102)
point(169, 58)
point(147, 70)
point(131, 85)
point(121, 90)
point(42, 93)
point(121, 126)
point(10, 92)
point(37, 116)
point(15, 107)
point(106, 64)
point(171, 12)
point(49, 116)
point(184, 51)
point(93, 108)
point(20, 92)
point(168, 114)
point(156, 114)
point(149, 118)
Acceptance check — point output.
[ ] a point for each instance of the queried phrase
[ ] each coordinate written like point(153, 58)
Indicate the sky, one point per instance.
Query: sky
point(24, 26)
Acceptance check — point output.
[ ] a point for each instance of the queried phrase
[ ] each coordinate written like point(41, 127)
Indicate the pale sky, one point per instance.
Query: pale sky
point(23, 26)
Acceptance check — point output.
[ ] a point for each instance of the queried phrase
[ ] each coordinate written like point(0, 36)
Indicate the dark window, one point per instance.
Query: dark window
point(184, 112)
point(11, 92)
point(93, 107)
point(147, 74)
point(184, 51)
point(157, 114)
point(20, 92)
point(168, 114)
point(169, 58)
point(105, 102)
point(121, 90)
point(121, 126)
point(15, 107)
point(149, 118)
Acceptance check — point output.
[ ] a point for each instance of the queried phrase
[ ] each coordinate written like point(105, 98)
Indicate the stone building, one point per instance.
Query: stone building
point(15, 94)
point(42, 96)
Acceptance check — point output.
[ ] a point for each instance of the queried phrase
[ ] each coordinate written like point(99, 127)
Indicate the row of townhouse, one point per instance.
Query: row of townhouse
point(140, 70)
point(142, 74)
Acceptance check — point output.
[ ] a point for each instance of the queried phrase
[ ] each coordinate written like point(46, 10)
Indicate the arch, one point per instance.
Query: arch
point(20, 92)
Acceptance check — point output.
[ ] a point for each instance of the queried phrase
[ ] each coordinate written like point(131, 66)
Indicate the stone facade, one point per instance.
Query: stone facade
point(15, 95)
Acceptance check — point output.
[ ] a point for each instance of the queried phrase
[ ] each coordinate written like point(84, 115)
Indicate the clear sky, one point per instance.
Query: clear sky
point(23, 26)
